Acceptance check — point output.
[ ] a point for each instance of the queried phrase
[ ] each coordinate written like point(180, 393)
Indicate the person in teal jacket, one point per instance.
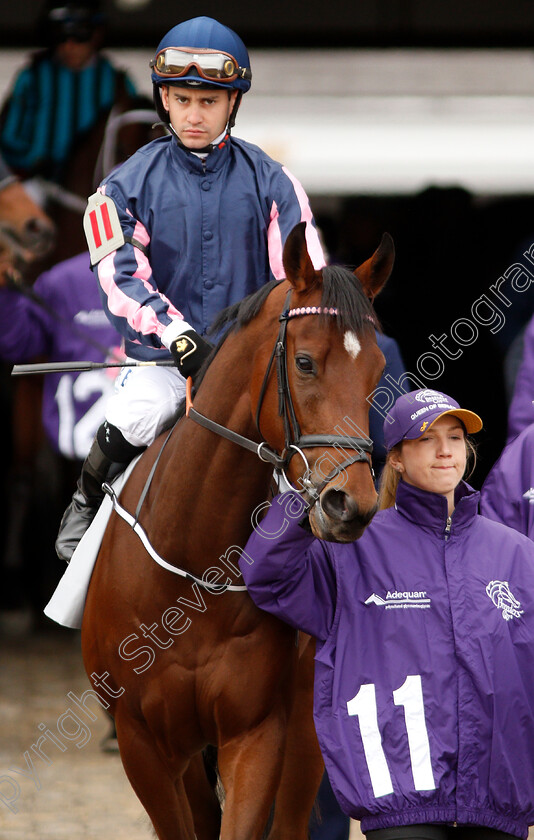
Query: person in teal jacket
point(62, 93)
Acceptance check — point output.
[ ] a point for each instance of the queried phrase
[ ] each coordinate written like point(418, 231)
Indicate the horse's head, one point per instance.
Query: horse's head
point(26, 232)
point(328, 363)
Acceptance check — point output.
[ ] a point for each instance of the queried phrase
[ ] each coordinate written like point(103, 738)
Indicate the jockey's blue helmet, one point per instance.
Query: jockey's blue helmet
point(200, 53)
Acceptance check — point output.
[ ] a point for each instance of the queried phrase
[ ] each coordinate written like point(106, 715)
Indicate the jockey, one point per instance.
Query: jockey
point(62, 93)
point(190, 224)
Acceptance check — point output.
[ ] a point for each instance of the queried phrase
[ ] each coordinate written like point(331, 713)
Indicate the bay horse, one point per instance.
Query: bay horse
point(188, 662)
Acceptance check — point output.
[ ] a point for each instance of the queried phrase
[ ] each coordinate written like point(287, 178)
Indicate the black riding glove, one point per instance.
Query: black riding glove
point(189, 352)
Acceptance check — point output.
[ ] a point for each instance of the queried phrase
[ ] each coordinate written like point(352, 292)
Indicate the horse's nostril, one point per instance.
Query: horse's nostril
point(342, 508)
point(338, 505)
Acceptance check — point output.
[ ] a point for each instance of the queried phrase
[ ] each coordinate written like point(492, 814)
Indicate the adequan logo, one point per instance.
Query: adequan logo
point(529, 495)
point(405, 600)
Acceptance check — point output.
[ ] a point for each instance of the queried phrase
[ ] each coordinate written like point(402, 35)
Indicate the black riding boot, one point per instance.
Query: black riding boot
point(96, 469)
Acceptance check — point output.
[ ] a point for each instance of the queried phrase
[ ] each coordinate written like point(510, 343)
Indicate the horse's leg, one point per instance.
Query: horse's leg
point(162, 796)
point(303, 764)
point(203, 800)
point(250, 768)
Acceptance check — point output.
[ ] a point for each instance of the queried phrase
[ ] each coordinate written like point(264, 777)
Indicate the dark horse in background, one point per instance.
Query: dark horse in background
point(114, 138)
point(183, 665)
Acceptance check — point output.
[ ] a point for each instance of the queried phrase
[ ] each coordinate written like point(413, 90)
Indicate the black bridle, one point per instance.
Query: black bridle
point(295, 441)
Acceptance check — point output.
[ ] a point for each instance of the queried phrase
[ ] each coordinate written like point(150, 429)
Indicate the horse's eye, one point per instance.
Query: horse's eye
point(304, 364)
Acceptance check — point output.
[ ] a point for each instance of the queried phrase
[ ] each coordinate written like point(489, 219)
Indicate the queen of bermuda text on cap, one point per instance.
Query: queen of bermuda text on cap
point(413, 414)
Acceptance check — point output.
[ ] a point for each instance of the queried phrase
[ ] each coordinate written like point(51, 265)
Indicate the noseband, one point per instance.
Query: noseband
point(295, 441)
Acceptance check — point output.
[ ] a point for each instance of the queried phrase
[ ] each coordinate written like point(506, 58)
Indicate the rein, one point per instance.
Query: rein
point(262, 450)
point(295, 442)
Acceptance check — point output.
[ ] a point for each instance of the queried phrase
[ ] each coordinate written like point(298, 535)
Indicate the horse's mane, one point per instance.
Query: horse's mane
point(240, 313)
point(341, 290)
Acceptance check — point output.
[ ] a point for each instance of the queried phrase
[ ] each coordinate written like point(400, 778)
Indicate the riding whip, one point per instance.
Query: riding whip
point(60, 367)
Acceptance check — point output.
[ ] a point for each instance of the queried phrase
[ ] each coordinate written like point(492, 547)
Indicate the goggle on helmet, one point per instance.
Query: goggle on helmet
point(215, 67)
point(202, 51)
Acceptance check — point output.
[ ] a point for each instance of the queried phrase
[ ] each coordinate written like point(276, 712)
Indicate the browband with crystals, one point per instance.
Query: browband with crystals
point(312, 310)
point(318, 310)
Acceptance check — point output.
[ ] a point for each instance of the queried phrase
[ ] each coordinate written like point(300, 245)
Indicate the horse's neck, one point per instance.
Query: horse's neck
point(212, 482)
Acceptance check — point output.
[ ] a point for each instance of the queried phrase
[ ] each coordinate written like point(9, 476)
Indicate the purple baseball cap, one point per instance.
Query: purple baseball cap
point(415, 412)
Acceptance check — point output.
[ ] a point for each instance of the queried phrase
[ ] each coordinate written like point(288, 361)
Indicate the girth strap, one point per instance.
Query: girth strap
point(141, 533)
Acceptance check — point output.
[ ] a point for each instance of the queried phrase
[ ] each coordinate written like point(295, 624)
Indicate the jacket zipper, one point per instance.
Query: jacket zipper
point(446, 535)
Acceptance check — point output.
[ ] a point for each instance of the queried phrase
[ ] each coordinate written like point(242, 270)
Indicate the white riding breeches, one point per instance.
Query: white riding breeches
point(145, 402)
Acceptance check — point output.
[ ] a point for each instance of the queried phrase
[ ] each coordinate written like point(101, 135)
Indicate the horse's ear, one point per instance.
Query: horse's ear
point(373, 274)
point(297, 264)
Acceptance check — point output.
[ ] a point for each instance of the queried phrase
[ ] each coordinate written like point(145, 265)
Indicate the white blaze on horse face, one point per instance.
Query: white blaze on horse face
point(351, 344)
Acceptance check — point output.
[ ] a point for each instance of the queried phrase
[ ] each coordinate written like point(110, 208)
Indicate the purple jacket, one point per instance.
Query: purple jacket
point(73, 403)
point(521, 411)
point(424, 677)
point(508, 492)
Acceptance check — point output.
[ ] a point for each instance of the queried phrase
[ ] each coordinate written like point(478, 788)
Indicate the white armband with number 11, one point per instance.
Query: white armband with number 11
point(102, 227)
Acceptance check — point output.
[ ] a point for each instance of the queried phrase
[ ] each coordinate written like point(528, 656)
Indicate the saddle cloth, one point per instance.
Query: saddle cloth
point(67, 604)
